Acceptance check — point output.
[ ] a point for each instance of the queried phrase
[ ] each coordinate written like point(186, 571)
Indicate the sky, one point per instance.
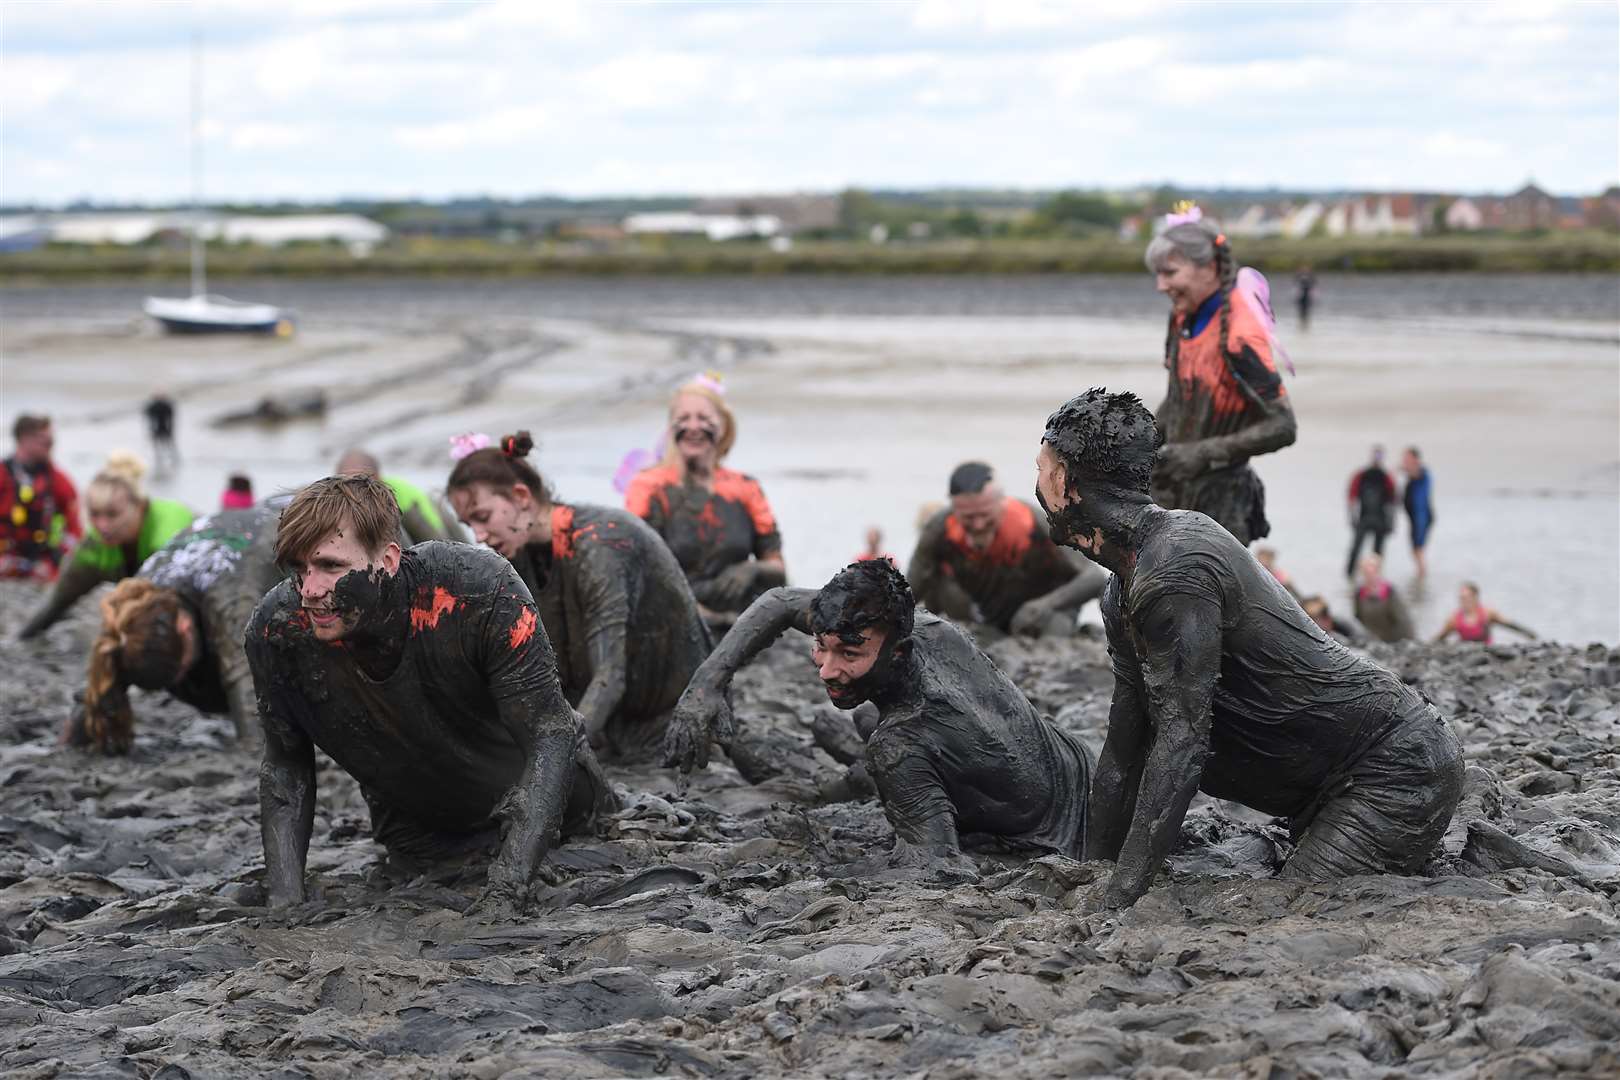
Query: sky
point(314, 100)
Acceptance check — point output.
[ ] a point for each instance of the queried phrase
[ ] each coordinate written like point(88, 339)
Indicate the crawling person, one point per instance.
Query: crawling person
point(1223, 683)
point(426, 675)
point(957, 748)
point(177, 626)
point(716, 520)
point(417, 513)
point(620, 616)
point(987, 558)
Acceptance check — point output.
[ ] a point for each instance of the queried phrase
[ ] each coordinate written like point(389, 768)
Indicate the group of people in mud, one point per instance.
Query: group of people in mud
point(474, 690)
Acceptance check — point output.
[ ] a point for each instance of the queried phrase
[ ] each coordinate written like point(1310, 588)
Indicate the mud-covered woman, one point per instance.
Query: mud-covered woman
point(177, 626)
point(716, 520)
point(127, 527)
point(613, 600)
point(1226, 402)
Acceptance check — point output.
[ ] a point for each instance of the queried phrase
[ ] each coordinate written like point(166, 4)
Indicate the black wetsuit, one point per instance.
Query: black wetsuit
point(952, 577)
point(621, 619)
point(1224, 683)
point(458, 734)
point(1372, 499)
point(221, 565)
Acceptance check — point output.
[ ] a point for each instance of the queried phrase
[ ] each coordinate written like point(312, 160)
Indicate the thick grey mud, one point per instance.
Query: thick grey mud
point(747, 931)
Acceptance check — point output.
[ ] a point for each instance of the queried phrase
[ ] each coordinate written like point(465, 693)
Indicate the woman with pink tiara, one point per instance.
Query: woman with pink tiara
point(1226, 402)
point(716, 520)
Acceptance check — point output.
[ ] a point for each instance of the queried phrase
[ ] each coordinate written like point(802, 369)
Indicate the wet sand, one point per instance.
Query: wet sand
point(741, 931)
point(857, 398)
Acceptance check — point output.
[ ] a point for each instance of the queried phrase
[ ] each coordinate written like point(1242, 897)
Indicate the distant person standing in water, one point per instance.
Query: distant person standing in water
point(1379, 608)
point(716, 521)
point(1418, 498)
point(1372, 508)
point(1226, 402)
point(1304, 294)
point(1472, 621)
point(160, 422)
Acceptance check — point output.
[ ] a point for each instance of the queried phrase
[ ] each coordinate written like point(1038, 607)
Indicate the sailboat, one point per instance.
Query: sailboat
point(203, 312)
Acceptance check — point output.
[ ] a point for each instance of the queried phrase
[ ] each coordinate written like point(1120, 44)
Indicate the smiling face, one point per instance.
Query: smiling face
point(980, 513)
point(842, 664)
point(115, 513)
point(1185, 284)
point(332, 616)
point(500, 520)
point(696, 427)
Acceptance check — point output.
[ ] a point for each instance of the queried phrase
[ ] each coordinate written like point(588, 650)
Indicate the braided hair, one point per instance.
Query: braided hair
point(1199, 243)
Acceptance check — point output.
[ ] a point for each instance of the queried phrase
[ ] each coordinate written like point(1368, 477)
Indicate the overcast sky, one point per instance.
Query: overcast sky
point(327, 98)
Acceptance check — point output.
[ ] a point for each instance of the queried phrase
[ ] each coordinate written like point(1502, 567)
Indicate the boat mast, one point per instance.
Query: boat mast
point(199, 273)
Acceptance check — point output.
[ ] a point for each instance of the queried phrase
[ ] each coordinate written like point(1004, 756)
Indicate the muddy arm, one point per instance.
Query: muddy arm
point(1118, 775)
point(1446, 630)
point(1498, 620)
point(79, 578)
point(286, 799)
point(522, 672)
point(228, 606)
point(606, 605)
point(1274, 430)
point(929, 584)
point(1183, 662)
point(915, 801)
point(1071, 596)
point(704, 714)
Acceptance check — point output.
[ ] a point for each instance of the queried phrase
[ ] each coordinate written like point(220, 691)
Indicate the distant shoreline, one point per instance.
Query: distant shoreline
point(1588, 252)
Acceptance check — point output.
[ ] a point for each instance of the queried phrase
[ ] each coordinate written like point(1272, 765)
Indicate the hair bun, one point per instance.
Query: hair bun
point(125, 465)
point(518, 445)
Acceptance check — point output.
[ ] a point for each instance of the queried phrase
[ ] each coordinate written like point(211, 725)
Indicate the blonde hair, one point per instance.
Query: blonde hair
point(123, 471)
point(139, 645)
point(728, 437)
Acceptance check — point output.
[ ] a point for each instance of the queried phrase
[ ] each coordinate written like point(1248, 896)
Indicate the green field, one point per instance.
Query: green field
point(1586, 252)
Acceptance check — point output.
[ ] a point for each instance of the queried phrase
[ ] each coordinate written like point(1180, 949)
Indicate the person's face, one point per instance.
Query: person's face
point(116, 515)
point(1372, 569)
point(1185, 284)
point(1409, 462)
point(1468, 598)
point(980, 513)
point(332, 615)
point(696, 426)
point(36, 447)
point(840, 664)
point(498, 520)
point(1319, 615)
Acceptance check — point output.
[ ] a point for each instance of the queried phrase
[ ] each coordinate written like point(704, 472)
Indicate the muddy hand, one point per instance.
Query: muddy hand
point(703, 714)
point(1178, 462)
point(1030, 618)
point(499, 900)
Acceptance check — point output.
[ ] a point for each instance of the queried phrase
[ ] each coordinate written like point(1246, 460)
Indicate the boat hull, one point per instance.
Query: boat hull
point(217, 315)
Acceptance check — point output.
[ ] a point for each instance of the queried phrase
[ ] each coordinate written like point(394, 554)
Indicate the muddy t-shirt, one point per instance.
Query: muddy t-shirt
point(1020, 563)
point(610, 593)
point(975, 752)
point(221, 565)
point(1292, 708)
point(429, 739)
point(708, 530)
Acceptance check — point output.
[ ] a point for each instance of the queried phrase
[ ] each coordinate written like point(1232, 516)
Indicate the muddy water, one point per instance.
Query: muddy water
point(729, 930)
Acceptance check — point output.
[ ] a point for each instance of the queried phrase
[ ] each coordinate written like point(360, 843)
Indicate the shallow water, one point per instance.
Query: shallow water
point(856, 397)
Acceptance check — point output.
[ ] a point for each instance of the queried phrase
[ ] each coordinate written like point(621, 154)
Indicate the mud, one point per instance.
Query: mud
point(742, 931)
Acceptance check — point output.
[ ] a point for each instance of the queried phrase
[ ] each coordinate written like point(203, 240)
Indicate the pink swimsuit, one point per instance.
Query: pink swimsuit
point(1479, 629)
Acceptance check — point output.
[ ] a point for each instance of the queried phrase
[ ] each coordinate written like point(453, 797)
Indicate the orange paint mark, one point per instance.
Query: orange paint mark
point(562, 532)
point(1013, 539)
point(523, 629)
point(427, 618)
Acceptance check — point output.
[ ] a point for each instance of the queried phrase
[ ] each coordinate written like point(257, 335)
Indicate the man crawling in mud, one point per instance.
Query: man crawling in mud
point(957, 748)
point(426, 675)
point(986, 558)
point(1222, 683)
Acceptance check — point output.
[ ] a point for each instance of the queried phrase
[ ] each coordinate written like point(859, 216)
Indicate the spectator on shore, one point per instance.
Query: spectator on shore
point(39, 507)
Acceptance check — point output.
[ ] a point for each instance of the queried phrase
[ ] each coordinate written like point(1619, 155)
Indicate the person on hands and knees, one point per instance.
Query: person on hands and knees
point(957, 748)
point(987, 559)
point(1223, 684)
point(426, 675)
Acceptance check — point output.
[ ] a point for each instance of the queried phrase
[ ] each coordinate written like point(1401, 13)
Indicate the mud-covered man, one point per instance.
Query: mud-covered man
point(426, 675)
point(957, 748)
point(987, 558)
point(1222, 683)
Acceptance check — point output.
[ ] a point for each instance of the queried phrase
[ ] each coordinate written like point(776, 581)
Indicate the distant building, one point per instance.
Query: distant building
point(356, 233)
point(1529, 208)
point(360, 235)
point(716, 227)
point(1602, 211)
point(22, 232)
point(1302, 219)
point(796, 213)
point(1373, 215)
point(1464, 215)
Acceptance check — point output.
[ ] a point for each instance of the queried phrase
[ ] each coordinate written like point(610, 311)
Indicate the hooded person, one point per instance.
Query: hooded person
point(956, 749)
point(1223, 684)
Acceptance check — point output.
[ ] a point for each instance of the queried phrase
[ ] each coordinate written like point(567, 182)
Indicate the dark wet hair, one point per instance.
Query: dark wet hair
point(1107, 437)
point(238, 482)
point(501, 466)
point(971, 477)
point(863, 595)
point(139, 645)
point(27, 424)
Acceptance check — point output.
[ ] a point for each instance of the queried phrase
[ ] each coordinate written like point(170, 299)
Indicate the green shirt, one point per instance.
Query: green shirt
point(417, 512)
